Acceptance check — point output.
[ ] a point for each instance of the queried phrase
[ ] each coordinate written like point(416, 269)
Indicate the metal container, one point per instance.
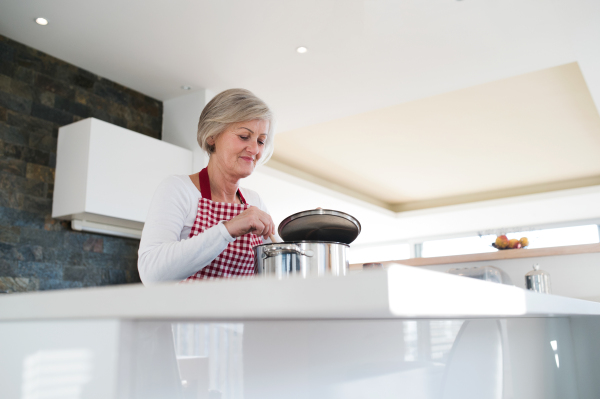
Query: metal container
point(301, 259)
point(538, 280)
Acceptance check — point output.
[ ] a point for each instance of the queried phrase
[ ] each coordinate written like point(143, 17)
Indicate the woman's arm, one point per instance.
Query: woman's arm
point(162, 255)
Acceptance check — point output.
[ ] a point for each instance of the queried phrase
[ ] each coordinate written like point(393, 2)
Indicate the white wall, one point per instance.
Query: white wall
point(180, 123)
point(583, 28)
point(576, 276)
point(285, 194)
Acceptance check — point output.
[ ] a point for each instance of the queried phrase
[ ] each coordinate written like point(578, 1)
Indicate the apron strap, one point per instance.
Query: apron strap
point(205, 186)
point(239, 193)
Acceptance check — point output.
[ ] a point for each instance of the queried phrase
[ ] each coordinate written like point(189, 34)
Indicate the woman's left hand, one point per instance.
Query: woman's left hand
point(252, 220)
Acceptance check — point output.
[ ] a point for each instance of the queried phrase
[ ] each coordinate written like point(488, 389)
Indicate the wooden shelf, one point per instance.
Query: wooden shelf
point(499, 255)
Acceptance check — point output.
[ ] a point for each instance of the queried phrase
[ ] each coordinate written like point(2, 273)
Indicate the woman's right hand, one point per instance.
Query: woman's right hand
point(252, 220)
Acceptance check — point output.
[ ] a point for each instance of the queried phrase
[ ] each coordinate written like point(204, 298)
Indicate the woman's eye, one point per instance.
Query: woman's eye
point(244, 137)
point(261, 142)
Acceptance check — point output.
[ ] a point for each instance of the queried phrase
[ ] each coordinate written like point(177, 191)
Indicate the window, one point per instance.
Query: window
point(576, 235)
point(459, 246)
point(543, 238)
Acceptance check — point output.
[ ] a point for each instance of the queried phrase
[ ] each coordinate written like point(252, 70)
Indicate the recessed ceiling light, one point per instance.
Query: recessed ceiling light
point(41, 21)
point(186, 87)
point(302, 50)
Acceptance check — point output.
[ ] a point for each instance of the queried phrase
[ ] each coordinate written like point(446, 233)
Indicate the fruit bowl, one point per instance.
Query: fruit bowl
point(502, 243)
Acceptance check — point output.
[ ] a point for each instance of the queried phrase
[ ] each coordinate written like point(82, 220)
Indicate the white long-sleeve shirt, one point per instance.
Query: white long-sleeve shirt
point(166, 252)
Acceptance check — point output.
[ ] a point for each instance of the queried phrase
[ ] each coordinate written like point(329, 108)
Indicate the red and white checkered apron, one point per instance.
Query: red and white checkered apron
point(237, 260)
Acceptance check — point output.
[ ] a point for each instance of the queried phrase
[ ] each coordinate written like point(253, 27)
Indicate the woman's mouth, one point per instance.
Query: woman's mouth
point(247, 159)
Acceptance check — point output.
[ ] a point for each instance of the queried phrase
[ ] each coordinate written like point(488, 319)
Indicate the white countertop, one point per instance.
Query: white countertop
point(396, 292)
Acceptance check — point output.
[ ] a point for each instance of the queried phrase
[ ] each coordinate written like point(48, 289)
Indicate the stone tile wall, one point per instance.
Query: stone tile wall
point(38, 94)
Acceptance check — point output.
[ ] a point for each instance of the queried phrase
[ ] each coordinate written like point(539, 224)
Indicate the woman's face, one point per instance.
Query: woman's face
point(240, 146)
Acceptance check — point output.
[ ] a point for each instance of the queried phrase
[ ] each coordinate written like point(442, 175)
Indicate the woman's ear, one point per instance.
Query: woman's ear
point(211, 144)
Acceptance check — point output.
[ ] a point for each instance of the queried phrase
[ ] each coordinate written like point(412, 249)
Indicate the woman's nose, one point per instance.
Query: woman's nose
point(253, 147)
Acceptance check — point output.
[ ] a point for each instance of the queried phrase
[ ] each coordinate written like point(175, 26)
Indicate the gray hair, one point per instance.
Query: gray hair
point(233, 106)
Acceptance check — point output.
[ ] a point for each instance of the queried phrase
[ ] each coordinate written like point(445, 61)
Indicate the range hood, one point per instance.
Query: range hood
point(106, 176)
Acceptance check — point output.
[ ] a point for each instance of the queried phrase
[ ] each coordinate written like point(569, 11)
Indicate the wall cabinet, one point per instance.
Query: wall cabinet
point(106, 176)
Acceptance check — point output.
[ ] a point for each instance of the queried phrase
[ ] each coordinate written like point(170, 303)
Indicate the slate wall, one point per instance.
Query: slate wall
point(38, 94)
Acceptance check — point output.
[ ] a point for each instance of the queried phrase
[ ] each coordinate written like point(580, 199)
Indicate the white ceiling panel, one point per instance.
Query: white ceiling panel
point(363, 54)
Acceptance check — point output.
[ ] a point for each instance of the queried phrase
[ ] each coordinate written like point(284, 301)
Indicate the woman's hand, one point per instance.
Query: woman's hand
point(252, 220)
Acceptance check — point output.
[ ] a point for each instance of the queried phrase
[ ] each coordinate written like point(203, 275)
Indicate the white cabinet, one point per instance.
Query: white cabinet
point(106, 176)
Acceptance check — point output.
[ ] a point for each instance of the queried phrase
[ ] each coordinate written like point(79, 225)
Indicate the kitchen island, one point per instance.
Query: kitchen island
point(402, 331)
point(574, 270)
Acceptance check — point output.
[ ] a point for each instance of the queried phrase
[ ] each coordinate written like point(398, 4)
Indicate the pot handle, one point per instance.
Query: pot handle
point(284, 249)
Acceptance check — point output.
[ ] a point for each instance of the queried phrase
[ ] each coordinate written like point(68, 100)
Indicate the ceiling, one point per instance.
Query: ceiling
point(425, 102)
point(362, 54)
point(532, 133)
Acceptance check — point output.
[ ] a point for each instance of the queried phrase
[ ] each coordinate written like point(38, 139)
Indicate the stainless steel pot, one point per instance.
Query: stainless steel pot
point(301, 259)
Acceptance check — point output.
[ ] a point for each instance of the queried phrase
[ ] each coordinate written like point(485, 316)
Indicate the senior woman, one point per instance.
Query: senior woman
point(205, 226)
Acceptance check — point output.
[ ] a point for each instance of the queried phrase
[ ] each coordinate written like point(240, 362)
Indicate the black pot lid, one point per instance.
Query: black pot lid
point(320, 225)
